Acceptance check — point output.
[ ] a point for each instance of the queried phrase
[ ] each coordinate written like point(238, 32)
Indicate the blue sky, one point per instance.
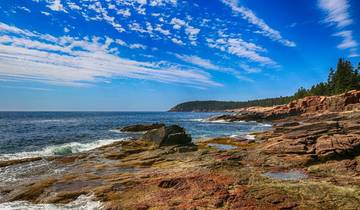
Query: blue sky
point(152, 54)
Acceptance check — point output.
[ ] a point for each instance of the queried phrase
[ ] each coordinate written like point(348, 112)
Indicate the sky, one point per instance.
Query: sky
point(149, 55)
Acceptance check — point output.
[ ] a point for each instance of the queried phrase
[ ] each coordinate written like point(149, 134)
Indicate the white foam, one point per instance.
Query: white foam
point(215, 121)
point(81, 203)
point(265, 124)
point(235, 136)
point(116, 131)
point(73, 147)
point(249, 137)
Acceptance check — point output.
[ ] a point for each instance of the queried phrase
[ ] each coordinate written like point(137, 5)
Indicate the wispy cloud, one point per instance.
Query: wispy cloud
point(200, 62)
point(348, 41)
point(337, 13)
point(250, 69)
point(207, 64)
point(242, 49)
point(251, 17)
point(56, 5)
point(26, 88)
point(65, 60)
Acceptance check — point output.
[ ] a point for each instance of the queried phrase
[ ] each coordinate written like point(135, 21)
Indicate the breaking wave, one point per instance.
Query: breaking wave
point(81, 203)
point(64, 149)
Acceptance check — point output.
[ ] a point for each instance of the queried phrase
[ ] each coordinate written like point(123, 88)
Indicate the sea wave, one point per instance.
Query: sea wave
point(81, 203)
point(215, 121)
point(64, 149)
point(40, 121)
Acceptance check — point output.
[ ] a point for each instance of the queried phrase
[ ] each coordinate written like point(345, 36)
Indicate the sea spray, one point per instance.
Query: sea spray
point(65, 149)
point(81, 203)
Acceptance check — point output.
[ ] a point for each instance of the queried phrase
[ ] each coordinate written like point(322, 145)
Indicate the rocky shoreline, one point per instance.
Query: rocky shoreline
point(310, 159)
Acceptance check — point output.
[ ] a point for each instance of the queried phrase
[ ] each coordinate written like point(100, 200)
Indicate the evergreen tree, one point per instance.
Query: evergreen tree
point(343, 77)
point(330, 82)
point(301, 93)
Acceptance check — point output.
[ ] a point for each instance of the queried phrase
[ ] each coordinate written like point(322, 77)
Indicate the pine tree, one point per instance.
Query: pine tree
point(330, 82)
point(343, 77)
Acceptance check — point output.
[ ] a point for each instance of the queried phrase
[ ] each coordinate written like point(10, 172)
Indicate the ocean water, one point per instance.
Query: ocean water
point(33, 134)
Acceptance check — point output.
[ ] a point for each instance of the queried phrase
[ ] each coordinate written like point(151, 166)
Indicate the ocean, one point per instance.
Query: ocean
point(40, 134)
point(34, 134)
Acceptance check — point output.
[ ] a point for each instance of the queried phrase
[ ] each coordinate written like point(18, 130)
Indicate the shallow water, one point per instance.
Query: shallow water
point(34, 134)
point(287, 176)
point(222, 147)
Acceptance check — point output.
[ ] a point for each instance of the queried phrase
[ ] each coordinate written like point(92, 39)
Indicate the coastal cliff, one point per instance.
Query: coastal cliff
point(310, 159)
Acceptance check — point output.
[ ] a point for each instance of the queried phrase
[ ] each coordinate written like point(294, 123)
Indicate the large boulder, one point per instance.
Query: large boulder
point(167, 135)
point(337, 146)
point(142, 127)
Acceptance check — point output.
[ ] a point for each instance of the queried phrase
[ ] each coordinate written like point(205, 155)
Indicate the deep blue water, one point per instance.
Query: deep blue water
point(42, 133)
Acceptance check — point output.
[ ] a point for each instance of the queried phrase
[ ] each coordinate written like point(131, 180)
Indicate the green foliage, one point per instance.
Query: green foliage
point(342, 79)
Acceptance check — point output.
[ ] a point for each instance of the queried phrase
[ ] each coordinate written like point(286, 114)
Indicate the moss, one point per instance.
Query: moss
point(321, 195)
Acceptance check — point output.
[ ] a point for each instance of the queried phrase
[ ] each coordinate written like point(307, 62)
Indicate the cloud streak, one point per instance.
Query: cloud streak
point(337, 14)
point(65, 60)
point(265, 29)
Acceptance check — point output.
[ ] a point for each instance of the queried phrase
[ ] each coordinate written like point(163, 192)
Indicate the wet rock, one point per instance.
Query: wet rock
point(142, 127)
point(5, 163)
point(167, 136)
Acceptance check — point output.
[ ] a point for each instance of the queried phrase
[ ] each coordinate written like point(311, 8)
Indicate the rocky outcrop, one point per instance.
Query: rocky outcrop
point(337, 146)
point(142, 127)
point(136, 175)
point(323, 137)
point(167, 135)
point(320, 137)
point(349, 101)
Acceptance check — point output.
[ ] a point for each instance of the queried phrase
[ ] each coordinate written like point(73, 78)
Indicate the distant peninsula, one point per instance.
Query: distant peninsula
point(343, 78)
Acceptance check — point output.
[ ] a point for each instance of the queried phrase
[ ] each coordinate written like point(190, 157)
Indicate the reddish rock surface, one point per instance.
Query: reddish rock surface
point(320, 138)
point(310, 105)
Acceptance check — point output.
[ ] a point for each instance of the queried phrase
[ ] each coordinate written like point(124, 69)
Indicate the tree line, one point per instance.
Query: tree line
point(343, 78)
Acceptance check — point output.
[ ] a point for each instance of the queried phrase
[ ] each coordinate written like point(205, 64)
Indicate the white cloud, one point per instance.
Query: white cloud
point(207, 64)
point(354, 55)
point(192, 33)
point(66, 60)
point(265, 29)
point(177, 41)
point(137, 27)
point(337, 13)
point(197, 61)
point(124, 12)
point(137, 46)
point(73, 6)
point(56, 5)
point(25, 9)
point(242, 49)
point(161, 30)
point(348, 41)
point(249, 69)
point(177, 23)
point(45, 13)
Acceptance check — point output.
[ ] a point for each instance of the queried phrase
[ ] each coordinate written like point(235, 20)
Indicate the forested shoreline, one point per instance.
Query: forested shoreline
point(343, 78)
